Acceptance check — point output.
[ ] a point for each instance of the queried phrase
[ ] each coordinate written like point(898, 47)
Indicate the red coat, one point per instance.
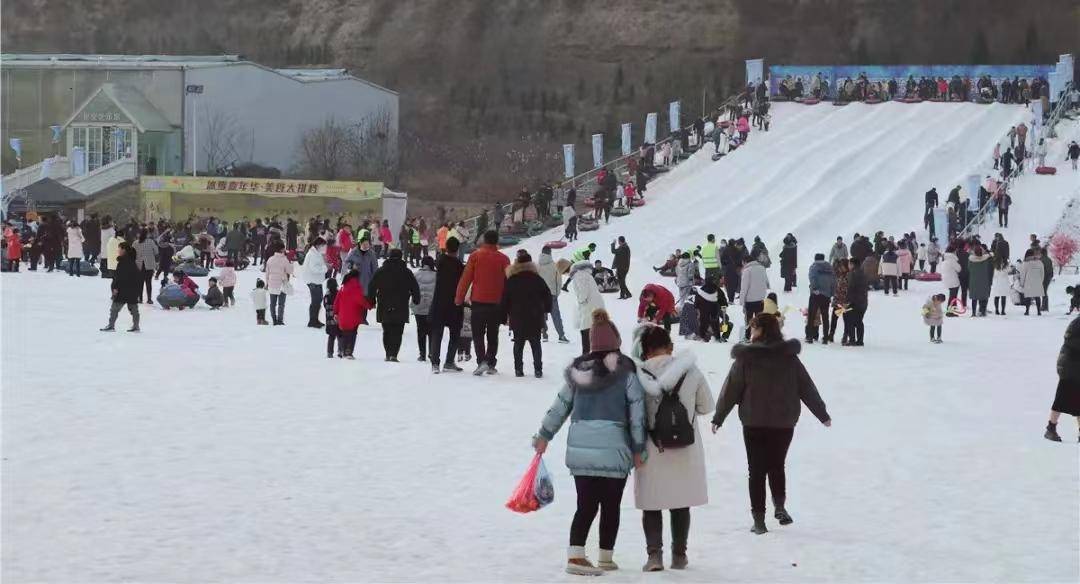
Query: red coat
point(663, 300)
point(350, 305)
point(385, 235)
point(486, 273)
point(189, 287)
point(14, 248)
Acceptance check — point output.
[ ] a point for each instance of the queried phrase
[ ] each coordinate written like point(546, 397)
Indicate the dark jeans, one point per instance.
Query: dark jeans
point(978, 307)
point(229, 294)
point(818, 308)
point(486, 319)
point(114, 311)
point(597, 493)
point(963, 289)
point(423, 331)
point(75, 267)
point(933, 267)
point(435, 343)
point(890, 282)
point(1028, 301)
point(347, 343)
point(857, 315)
point(391, 338)
point(750, 310)
point(789, 281)
point(624, 292)
point(922, 265)
point(148, 279)
point(653, 523)
point(277, 308)
point(935, 329)
point(585, 348)
point(316, 303)
point(332, 333)
point(766, 450)
point(234, 255)
point(519, 353)
point(1003, 217)
point(260, 315)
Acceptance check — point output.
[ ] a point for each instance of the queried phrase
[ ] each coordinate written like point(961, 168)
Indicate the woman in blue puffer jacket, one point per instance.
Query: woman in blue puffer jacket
point(605, 403)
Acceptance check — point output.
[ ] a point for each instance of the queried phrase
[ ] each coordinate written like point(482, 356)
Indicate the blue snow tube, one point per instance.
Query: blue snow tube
point(172, 296)
point(508, 240)
point(192, 270)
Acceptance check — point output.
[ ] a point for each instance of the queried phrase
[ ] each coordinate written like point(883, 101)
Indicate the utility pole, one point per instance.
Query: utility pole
point(194, 91)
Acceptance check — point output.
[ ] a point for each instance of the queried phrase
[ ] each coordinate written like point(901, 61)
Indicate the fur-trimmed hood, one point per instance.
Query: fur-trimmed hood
point(520, 267)
point(579, 266)
point(674, 367)
point(584, 374)
point(789, 347)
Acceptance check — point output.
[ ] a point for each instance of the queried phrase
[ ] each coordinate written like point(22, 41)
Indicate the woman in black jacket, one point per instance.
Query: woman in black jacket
point(767, 381)
point(526, 301)
point(1067, 397)
point(127, 284)
point(391, 290)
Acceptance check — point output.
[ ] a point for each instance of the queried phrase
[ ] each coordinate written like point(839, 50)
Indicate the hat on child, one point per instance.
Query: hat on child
point(603, 336)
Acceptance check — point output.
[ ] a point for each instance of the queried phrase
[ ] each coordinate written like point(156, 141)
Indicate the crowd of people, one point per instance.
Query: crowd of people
point(983, 89)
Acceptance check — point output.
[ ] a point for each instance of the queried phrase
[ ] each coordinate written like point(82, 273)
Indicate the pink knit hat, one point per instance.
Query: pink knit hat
point(603, 336)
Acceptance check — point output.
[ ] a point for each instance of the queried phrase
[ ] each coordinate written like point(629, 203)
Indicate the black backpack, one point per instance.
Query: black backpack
point(673, 427)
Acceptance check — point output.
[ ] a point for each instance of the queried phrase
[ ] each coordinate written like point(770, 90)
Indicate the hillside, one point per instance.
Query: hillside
point(482, 78)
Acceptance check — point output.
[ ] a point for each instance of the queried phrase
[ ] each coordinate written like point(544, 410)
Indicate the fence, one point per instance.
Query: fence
point(585, 183)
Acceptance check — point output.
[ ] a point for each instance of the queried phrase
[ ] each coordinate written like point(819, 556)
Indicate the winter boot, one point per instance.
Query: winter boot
point(564, 340)
point(679, 561)
point(578, 565)
point(1051, 432)
point(134, 328)
point(110, 328)
point(435, 368)
point(606, 562)
point(519, 373)
point(452, 367)
point(781, 513)
point(481, 368)
point(655, 563)
point(759, 523)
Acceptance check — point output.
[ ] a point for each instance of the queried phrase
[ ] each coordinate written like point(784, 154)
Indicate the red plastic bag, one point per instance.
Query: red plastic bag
point(534, 491)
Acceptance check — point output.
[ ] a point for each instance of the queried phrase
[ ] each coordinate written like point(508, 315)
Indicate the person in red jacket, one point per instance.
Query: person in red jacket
point(485, 272)
point(656, 305)
point(350, 306)
point(14, 249)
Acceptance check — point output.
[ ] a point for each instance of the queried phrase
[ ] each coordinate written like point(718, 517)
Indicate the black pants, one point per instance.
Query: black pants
point(935, 329)
point(207, 260)
point(435, 343)
point(653, 523)
point(519, 353)
point(277, 308)
point(260, 315)
point(789, 281)
point(963, 289)
point(933, 267)
point(952, 296)
point(75, 267)
point(391, 338)
point(423, 331)
point(585, 348)
point(904, 278)
point(818, 309)
point(1003, 217)
point(624, 292)
point(1046, 297)
point(316, 303)
point(999, 304)
point(922, 265)
point(148, 279)
point(35, 255)
point(857, 315)
point(486, 319)
point(229, 293)
point(347, 343)
point(750, 310)
point(766, 450)
point(890, 281)
point(593, 494)
point(332, 334)
point(978, 307)
point(1028, 301)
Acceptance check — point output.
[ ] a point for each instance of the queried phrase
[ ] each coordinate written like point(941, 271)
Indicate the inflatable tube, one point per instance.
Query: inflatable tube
point(508, 240)
point(1045, 170)
point(928, 277)
point(909, 100)
point(839, 103)
point(637, 203)
point(219, 262)
point(811, 101)
point(872, 101)
point(85, 268)
point(191, 270)
point(588, 226)
point(621, 211)
point(557, 244)
point(172, 296)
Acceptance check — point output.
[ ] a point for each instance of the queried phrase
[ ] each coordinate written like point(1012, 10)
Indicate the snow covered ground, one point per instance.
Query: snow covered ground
point(209, 449)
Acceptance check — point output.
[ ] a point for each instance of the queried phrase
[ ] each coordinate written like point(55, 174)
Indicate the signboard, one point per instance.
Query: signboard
point(568, 160)
point(598, 150)
point(626, 145)
point(673, 116)
point(755, 71)
point(266, 187)
point(839, 73)
point(101, 110)
point(650, 128)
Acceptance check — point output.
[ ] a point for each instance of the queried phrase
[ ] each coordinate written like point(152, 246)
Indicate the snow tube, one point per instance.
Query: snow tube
point(219, 262)
point(811, 101)
point(588, 225)
point(172, 296)
point(85, 268)
point(839, 103)
point(518, 228)
point(557, 244)
point(778, 98)
point(873, 101)
point(637, 203)
point(909, 100)
point(554, 221)
point(1045, 170)
point(928, 277)
point(621, 211)
point(191, 270)
point(508, 240)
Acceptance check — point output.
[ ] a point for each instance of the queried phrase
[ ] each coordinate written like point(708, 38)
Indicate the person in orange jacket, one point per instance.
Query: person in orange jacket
point(485, 273)
point(440, 237)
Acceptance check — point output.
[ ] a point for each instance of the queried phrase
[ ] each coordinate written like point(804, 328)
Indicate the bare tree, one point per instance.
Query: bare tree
point(225, 140)
point(324, 151)
point(373, 148)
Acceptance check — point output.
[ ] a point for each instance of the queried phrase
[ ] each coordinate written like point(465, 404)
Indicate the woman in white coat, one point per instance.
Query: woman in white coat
point(74, 248)
point(1031, 282)
point(1001, 287)
point(588, 298)
point(950, 277)
point(278, 269)
point(673, 478)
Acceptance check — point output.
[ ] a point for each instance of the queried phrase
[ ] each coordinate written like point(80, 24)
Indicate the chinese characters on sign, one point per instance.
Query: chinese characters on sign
point(262, 186)
point(101, 117)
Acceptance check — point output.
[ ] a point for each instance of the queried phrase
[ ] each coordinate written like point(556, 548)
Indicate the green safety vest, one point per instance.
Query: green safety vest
point(415, 236)
point(579, 255)
point(362, 234)
point(708, 256)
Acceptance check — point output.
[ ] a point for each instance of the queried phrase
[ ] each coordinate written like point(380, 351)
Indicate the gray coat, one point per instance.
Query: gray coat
point(425, 278)
point(839, 251)
point(364, 262)
point(768, 382)
point(606, 406)
point(1031, 278)
point(684, 273)
point(146, 253)
point(822, 279)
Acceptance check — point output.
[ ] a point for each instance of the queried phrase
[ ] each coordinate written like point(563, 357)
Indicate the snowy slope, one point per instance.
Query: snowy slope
point(209, 449)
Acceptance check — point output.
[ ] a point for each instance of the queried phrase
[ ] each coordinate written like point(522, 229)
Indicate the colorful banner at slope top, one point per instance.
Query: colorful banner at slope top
point(900, 73)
